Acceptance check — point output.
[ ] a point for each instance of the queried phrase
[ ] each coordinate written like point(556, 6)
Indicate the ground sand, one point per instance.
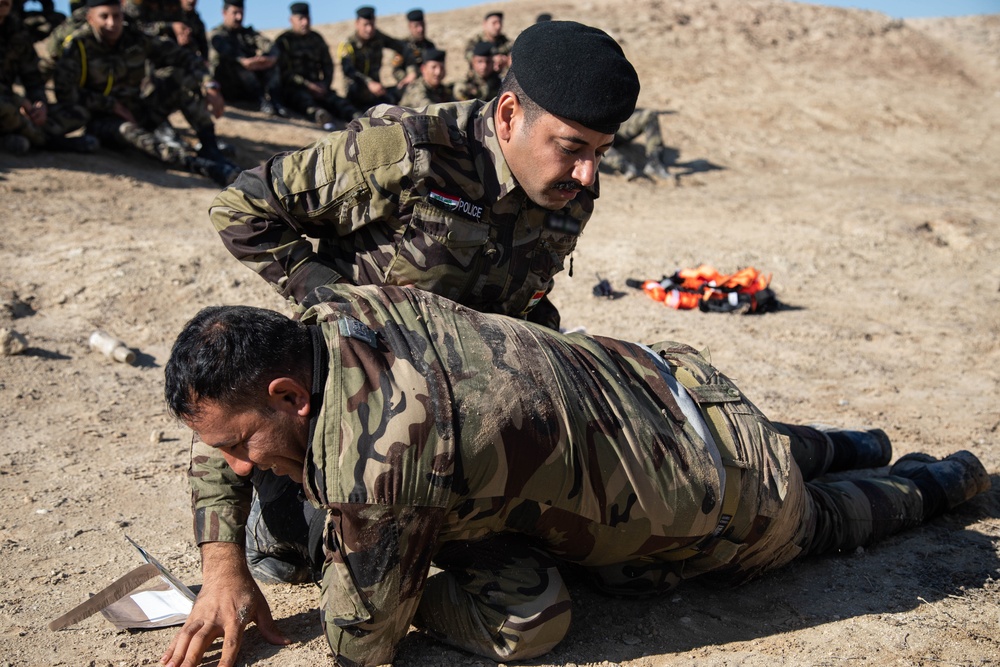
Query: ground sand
point(854, 157)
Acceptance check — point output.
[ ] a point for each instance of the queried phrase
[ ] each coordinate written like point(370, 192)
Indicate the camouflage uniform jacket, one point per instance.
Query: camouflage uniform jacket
point(361, 62)
point(153, 17)
point(243, 42)
point(475, 87)
point(418, 94)
point(304, 58)
point(436, 423)
point(57, 40)
point(416, 50)
point(95, 75)
point(501, 45)
point(403, 198)
point(19, 62)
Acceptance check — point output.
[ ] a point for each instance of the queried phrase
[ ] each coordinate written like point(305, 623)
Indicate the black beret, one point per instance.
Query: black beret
point(436, 55)
point(415, 15)
point(234, 3)
point(483, 49)
point(102, 3)
point(499, 15)
point(577, 72)
point(366, 12)
point(299, 8)
point(541, 18)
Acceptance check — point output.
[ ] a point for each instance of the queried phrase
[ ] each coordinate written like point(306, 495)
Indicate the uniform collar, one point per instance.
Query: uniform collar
point(494, 171)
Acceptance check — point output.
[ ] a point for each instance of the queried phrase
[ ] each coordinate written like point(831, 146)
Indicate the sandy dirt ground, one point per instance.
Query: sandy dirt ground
point(854, 157)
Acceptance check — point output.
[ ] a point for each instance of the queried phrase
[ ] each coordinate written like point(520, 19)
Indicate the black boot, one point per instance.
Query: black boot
point(222, 172)
point(944, 484)
point(856, 450)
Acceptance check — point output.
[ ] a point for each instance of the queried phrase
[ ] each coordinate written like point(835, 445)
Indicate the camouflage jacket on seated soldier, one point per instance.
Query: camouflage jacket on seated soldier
point(475, 87)
point(361, 62)
point(438, 424)
point(228, 45)
point(402, 198)
point(95, 75)
point(419, 94)
point(304, 58)
point(416, 57)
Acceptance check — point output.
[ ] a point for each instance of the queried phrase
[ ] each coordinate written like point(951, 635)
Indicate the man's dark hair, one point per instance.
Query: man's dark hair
point(228, 354)
point(531, 110)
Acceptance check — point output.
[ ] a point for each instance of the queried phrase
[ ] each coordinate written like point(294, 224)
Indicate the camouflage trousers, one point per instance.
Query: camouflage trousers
point(644, 123)
point(361, 98)
point(239, 83)
point(61, 121)
point(168, 90)
point(301, 100)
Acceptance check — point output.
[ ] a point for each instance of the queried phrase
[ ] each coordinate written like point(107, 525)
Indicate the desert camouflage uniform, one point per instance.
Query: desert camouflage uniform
point(403, 198)
point(645, 123)
point(475, 87)
point(92, 76)
point(496, 450)
point(306, 58)
point(416, 48)
point(237, 82)
point(501, 45)
point(361, 62)
point(418, 94)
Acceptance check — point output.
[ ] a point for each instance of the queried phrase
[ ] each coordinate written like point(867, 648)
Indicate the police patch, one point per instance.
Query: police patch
point(456, 205)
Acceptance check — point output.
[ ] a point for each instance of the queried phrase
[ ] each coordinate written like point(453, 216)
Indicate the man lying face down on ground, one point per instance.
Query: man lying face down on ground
point(425, 433)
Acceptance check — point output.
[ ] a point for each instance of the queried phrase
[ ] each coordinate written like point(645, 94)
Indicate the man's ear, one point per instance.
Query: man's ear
point(288, 395)
point(508, 113)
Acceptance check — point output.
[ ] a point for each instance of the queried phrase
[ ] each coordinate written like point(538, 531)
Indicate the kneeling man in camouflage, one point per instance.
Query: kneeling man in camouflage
point(451, 462)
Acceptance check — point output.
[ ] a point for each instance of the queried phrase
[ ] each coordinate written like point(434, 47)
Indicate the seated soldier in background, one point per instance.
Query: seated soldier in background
point(426, 434)
point(28, 120)
point(482, 82)
point(417, 44)
point(492, 32)
point(38, 23)
point(360, 58)
point(189, 31)
point(644, 123)
point(307, 73)
point(104, 74)
point(429, 88)
point(244, 62)
point(153, 17)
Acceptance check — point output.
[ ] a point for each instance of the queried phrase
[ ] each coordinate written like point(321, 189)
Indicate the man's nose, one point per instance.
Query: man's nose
point(240, 466)
point(584, 171)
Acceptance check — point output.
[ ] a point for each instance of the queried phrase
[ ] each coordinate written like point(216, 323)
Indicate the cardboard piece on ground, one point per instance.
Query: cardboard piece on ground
point(147, 597)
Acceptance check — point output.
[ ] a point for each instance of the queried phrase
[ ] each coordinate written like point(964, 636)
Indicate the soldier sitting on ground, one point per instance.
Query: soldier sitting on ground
point(492, 32)
point(104, 75)
point(38, 23)
point(307, 73)
point(54, 43)
point(360, 58)
point(427, 434)
point(644, 123)
point(189, 31)
point(482, 82)
point(244, 62)
point(28, 120)
point(430, 87)
point(417, 44)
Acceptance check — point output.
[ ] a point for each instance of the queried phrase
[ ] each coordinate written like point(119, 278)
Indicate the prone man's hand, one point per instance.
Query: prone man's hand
point(229, 599)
